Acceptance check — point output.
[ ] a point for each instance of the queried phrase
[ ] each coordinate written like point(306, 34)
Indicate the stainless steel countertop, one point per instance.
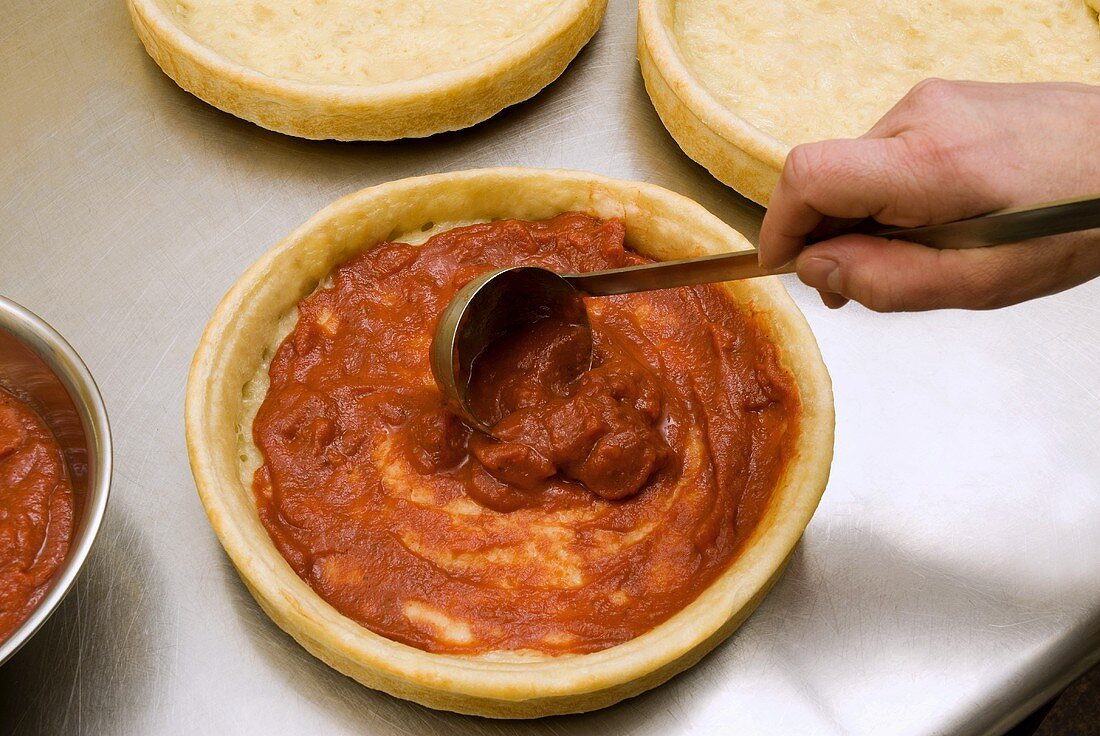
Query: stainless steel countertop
point(951, 577)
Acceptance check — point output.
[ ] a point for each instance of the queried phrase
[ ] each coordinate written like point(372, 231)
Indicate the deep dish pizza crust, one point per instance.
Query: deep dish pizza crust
point(739, 82)
point(364, 69)
point(246, 325)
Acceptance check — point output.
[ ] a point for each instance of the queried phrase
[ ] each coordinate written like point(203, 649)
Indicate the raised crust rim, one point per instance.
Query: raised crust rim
point(434, 103)
point(660, 224)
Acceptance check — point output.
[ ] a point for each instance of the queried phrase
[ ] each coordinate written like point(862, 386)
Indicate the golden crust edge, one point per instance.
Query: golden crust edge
point(733, 150)
point(425, 106)
point(660, 223)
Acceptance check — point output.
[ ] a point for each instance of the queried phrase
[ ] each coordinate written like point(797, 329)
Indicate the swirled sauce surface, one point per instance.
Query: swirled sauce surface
point(36, 511)
point(606, 500)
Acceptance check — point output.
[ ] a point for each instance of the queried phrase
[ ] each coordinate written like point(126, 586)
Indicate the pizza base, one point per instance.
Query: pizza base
point(240, 338)
point(738, 83)
point(291, 67)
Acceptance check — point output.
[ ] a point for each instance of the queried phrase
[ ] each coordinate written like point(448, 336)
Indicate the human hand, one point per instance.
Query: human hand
point(946, 151)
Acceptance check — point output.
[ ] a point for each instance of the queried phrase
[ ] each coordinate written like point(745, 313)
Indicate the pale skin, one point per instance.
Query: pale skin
point(946, 151)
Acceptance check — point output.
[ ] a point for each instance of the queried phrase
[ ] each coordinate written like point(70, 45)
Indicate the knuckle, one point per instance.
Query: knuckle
point(934, 92)
point(801, 166)
point(813, 169)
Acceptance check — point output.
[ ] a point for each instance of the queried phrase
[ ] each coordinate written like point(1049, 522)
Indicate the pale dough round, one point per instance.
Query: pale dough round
point(765, 75)
point(364, 69)
point(226, 381)
point(355, 41)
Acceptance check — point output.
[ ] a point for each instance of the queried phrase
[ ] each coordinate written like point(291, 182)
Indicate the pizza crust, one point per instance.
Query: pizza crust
point(739, 82)
point(351, 70)
point(240, 337)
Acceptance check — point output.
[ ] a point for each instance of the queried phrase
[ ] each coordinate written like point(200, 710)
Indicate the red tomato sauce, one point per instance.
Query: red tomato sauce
point(36, 511)
point(606, 500)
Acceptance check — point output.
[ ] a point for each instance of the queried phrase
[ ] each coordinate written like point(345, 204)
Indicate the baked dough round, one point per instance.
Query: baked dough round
point(238, 341)
point(739, 82)
point(357, 70)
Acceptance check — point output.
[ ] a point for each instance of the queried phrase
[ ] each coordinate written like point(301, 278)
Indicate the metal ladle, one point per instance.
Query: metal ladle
point(499, 301)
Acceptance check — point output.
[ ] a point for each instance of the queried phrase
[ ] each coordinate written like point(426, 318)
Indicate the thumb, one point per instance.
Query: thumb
point(895, 275)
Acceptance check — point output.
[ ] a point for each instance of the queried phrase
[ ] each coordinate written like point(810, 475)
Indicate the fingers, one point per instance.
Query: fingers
point(889, 276)
point(897, 174)
point(948, 150)
point(841, 178)
point(931, 96)
point(904, 180)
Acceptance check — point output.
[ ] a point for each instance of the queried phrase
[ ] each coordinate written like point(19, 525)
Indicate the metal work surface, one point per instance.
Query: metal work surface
point(948, 581)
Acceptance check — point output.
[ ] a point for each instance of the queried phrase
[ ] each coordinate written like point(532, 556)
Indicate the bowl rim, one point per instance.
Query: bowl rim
point(60, 357)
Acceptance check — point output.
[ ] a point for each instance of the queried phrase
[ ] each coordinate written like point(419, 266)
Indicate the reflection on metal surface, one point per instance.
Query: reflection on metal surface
point(948, 579)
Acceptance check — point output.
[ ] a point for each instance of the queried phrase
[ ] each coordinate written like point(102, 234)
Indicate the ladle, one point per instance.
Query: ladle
point(500, 301)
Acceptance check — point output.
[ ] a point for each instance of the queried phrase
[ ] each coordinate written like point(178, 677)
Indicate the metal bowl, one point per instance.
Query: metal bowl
point(38, 365)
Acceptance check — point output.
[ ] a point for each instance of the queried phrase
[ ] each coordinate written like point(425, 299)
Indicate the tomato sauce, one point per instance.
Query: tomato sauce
point(605, 500)
point(36, 511)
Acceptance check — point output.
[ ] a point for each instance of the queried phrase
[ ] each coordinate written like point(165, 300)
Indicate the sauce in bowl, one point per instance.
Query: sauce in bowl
point(36, 511)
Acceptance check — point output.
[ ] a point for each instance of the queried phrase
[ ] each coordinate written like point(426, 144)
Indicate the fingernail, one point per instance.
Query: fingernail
point(821, 273)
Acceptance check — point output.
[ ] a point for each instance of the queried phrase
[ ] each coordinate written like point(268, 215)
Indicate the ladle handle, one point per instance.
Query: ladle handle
point(994, 228)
